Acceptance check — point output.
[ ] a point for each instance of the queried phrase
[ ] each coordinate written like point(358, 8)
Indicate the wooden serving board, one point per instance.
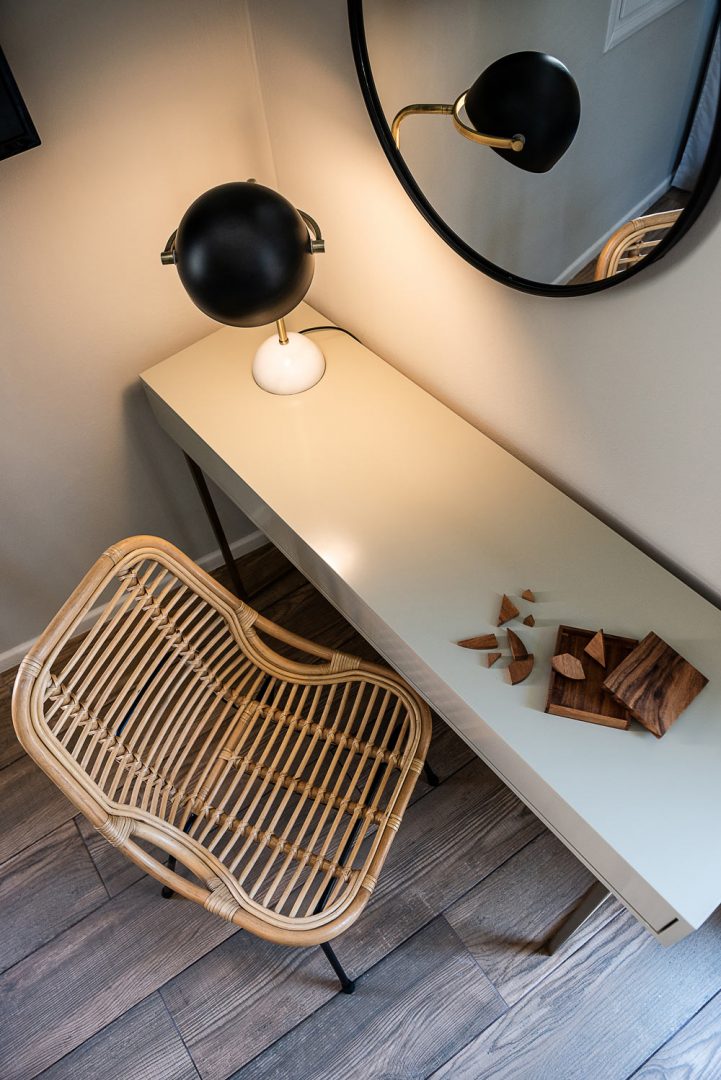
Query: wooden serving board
point(587, 699)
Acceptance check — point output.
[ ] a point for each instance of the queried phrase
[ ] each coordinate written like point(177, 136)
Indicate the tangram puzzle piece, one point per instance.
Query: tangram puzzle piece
point(518, 649)
point(569, 666)
point(518, 670)
point(508, 610)
point(483, 641)
point(597, 649)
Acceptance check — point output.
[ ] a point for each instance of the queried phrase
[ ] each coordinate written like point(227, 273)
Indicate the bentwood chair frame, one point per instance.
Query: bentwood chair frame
point(278, 784)
point(632, 242)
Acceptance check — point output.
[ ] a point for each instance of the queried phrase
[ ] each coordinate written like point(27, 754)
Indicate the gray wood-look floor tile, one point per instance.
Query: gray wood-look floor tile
point(30, 806)
point(693, 1053)
point(452, 838)
point(603, 1012)
point(506, 919)
point(10, 748)
point(409, 1014)
point(92, 973)
point(43, 890)
point(235, 1002)
point(143, 1044)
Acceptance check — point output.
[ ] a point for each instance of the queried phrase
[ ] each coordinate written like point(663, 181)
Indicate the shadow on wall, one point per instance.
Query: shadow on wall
point(154, 463)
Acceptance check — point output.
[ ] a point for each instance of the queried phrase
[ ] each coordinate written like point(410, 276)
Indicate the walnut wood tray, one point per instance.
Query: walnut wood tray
point(587, 699)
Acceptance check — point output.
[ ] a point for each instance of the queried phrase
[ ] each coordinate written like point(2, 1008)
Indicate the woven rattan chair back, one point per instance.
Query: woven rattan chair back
point(172, 724)
point(632, 242)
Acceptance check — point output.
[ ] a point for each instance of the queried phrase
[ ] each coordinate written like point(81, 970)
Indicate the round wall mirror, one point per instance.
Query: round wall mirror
point(558, 145)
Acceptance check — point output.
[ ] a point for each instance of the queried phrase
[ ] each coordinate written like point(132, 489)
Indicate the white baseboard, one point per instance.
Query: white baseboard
point(593, 250)
point(12, 657)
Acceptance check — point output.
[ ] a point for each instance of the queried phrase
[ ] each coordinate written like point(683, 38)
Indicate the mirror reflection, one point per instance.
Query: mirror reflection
point(647, 78)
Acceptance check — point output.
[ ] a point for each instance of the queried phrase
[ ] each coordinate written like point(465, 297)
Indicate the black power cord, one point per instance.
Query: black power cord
point(312, 329)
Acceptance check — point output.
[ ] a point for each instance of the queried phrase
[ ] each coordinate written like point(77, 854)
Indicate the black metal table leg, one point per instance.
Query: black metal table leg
point(209, 507)
point(431, 777)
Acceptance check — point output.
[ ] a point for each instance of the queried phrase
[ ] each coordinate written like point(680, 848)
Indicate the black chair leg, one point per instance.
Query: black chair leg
point(430, 776)
point(347, 985)
point(166, 892)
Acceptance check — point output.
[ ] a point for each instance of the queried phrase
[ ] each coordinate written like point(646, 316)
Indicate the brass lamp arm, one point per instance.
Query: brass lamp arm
point(516, 142)
point(415, 110)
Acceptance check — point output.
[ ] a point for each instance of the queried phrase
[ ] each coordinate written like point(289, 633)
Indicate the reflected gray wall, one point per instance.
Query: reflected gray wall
point(635, 100)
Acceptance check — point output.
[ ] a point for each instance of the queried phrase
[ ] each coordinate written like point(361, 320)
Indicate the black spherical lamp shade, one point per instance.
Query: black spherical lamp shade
point(530, 94)
point(243, 254)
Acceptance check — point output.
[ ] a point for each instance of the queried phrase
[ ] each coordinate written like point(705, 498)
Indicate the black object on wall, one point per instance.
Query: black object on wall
point(17, 131)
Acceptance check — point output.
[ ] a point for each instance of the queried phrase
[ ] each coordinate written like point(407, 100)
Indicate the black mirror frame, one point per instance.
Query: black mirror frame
point(708, 178)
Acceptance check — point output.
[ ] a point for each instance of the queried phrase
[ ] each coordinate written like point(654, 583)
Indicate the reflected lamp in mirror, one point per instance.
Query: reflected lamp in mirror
point(525, 106)
point(648, 141)
point(244, 255)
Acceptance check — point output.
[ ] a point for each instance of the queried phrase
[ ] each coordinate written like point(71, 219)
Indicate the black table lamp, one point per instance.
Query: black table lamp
point(525, 106)
point(245, 257)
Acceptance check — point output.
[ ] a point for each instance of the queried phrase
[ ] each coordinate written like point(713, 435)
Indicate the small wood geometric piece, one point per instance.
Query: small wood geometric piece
point(596, 649)
point(529, 621)
point(518, 670)
point(568, 666)
point(492, 657)
point(528, 594)
point(655, 684)
point(483, 641)
point(508, 611)
point(518, 649)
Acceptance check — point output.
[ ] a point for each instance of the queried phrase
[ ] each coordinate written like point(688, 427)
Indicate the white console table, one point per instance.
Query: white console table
point(414, 524)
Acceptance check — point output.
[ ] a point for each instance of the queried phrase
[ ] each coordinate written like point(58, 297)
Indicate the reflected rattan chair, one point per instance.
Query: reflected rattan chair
point(632, 242)
point(172, 724)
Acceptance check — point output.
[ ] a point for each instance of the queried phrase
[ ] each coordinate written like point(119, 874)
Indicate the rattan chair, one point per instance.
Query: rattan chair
point(172, 724)
point(632, 242)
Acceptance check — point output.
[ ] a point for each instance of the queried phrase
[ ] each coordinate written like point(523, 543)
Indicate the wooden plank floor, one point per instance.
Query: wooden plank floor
point(101, 977)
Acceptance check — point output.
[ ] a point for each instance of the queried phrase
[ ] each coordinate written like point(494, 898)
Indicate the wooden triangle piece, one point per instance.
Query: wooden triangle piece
point(518, 670)
point(483, 641)
point(518, 649)
point(528, 594)
point(508, 611)
point(529, 621)
point(492, 657)
point(597, 649)
point(568, 666)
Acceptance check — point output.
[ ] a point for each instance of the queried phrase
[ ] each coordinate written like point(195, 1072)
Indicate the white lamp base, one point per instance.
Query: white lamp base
point(288, 369)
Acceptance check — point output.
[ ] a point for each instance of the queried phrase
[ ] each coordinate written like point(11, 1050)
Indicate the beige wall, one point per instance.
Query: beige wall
point(615, 396)
point(141, 107)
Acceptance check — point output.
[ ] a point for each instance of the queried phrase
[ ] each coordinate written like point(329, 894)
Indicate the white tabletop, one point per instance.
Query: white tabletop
point(413, 524)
